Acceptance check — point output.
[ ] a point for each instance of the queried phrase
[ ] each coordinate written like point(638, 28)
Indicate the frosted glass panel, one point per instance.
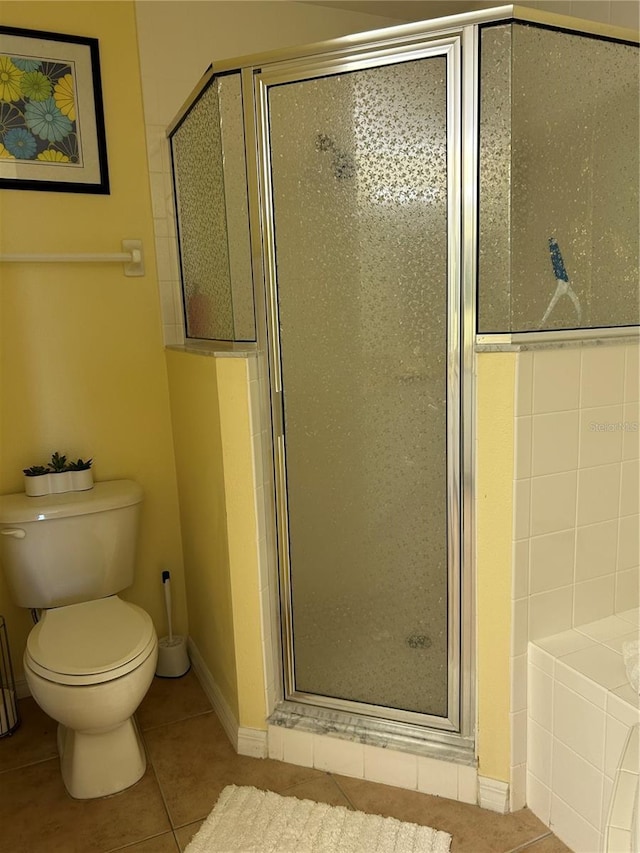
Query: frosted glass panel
point(559, 180)
point(360, 211)
point(211, 201)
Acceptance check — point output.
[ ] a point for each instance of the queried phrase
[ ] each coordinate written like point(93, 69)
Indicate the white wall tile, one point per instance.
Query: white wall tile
point(622, 711)
point(338, 756)
point(540, 698)
point(554, 443)
point(578, 682)
point(553, 503)
point(518, 728)
point(598, 493)
point(524, 383)
point(601, 432)
point(572, 828)
point(520, 562)
point(297, 747)
point(539, 798)
point(541, 658)
point(523, 447)
point(602, 376)
point(600, 664)
point(467, 784)
point(594, 599)
point(630, 487)
point(615, 738)
point(577, 782)
point(550, 612)
point(627, 589)
point(275, 742)
point(551, 561)
point(631, 431)
point(563, 643)
point(596, 549)
point(439, 778)
point(556, 380)
point(539, 742)
point(521, 509)
point(518, 788)
point(519, 684)
point(390, 768)
point(519, 626)
point(632, 363)
point(579, 724)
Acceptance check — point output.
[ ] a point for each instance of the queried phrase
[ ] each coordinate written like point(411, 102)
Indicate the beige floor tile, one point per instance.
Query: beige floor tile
point(186, 833)
point(172, 699)
point(474, 830)
point(165, 843)
point(194, 761)
point(34, 740)
point(323, 790)
point(38, 816)
point(550, 844)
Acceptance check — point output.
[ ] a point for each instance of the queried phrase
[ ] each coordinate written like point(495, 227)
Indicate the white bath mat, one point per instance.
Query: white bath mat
point(246, 820)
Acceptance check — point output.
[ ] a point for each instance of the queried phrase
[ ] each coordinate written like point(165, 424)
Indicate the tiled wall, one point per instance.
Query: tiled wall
point(581, 714)
point(576, 523)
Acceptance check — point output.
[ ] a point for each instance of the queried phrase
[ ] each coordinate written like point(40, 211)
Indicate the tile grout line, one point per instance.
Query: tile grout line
point(162, 796)
point(529, 844)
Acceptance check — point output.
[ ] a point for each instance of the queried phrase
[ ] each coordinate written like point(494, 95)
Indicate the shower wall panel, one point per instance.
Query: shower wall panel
point(559, 181)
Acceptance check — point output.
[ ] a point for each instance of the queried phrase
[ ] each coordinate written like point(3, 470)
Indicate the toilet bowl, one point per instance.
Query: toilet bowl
point(89, 666)
point(90, 659)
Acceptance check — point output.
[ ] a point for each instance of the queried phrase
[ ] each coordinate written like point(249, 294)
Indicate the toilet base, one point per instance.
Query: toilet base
point(96, 764)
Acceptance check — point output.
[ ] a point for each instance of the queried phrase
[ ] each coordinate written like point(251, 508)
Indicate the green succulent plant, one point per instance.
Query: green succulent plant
point(79, 465)
point(35, 471)
point(58, 463)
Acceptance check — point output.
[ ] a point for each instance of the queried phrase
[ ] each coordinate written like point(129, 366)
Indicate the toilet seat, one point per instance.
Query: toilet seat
point(90, 643)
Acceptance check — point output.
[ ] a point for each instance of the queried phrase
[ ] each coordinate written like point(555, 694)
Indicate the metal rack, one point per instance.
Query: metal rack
point(9, 711)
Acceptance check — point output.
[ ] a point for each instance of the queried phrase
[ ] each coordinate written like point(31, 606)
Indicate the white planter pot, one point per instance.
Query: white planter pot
point(53, 484)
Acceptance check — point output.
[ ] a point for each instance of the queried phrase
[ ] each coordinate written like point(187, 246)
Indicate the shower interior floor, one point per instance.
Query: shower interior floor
point(189, 762)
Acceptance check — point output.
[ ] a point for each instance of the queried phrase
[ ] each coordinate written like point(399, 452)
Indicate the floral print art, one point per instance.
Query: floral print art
point(37, 110)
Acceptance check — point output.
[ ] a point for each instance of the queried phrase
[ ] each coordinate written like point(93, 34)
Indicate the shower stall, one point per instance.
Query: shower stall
point(366, 211)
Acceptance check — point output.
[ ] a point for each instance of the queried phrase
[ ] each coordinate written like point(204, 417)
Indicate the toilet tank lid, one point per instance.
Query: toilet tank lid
point(111, 494)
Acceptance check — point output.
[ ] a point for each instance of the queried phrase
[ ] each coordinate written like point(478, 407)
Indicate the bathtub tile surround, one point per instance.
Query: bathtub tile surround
point(582, 714)
point(576, 529)
point(190, 761)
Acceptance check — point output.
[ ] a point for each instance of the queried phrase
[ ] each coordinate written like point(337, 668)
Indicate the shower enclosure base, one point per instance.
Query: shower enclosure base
point(374, 749)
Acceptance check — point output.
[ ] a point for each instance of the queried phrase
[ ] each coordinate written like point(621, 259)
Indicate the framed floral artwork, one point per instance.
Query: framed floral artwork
point(52, 134)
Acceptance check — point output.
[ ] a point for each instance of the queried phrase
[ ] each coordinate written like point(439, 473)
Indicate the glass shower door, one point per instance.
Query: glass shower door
point(365, 399)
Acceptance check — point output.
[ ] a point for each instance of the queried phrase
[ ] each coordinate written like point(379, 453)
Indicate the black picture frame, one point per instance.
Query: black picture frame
point(52, 132)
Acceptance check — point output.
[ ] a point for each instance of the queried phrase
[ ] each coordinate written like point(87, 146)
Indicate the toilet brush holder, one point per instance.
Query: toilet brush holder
point(173, 660)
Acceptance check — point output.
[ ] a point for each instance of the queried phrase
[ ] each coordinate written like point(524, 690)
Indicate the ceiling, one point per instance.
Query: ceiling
point(408, 10)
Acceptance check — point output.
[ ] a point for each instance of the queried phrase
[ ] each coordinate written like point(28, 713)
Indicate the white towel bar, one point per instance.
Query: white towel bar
point(131, 256)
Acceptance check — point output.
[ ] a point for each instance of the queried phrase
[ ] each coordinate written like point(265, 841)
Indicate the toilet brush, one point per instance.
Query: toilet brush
point(173, 660)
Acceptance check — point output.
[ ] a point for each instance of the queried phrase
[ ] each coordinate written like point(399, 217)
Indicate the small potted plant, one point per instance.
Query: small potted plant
point(58, 476)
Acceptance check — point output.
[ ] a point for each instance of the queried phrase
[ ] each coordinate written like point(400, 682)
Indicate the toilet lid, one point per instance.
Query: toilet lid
point(91, 638)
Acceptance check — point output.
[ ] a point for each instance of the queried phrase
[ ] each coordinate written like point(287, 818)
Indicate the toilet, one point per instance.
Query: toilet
point(91, 657)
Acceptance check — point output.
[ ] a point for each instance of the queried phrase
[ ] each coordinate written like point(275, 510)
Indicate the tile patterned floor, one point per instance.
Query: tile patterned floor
point(190, 761)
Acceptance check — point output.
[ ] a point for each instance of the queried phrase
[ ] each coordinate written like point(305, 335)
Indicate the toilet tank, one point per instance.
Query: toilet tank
point(66, 548)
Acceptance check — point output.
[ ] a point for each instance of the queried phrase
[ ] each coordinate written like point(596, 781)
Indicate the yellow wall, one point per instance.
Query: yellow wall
point(494, 485)
point(81, 358)
point(199, 461)
point(235, 426)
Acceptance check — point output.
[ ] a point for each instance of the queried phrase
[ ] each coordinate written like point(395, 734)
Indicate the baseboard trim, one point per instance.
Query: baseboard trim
point(252, 742)
point(493, 794)
point(245, 740)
